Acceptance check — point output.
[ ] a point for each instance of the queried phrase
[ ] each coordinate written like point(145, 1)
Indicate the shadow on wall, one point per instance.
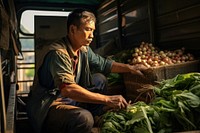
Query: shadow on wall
point(108, 48)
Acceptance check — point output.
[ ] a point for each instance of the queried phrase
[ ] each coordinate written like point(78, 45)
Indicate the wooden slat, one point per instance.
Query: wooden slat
point(107, 22)
point(106, 6)
point(109, 14)
point(131, 41)
point(177, 24)
point(108, 26)
point(11, 110)
point(107, 36)
point(181, 31)
point(136, 26)
point(130, 5)
point(178, 16)
point(167, 6)
point(2, 100)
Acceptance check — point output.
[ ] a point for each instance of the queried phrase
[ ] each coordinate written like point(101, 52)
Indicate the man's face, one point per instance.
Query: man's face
point(84, 33)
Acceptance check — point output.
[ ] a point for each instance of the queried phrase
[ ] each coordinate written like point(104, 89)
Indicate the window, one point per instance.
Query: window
point(26, 63)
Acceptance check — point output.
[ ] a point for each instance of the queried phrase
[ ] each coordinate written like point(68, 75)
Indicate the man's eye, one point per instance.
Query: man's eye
point(88, 29)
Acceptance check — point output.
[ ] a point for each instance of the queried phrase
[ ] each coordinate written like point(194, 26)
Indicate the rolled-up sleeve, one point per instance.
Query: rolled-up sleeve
point(98, 62)
point(61, 68)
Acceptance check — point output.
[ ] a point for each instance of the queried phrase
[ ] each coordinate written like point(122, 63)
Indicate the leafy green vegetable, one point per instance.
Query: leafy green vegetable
point(114, 78)
point(133, 119)
point(176, 107)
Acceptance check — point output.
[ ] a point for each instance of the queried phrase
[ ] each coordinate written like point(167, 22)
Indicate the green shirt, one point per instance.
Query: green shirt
point(57, 67)
point(54, 67)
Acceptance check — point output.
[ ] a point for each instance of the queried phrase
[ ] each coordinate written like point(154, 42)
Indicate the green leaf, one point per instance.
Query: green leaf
point(137, 116)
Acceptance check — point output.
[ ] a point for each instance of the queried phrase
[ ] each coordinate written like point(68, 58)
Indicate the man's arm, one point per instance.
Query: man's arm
point(80, 94)
point(123, 68)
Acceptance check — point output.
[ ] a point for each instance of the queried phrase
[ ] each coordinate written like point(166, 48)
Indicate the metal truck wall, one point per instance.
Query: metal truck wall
point(166, 23)
point(107, 25)
point(127, 21)
point(9, 48)
point(177, 23)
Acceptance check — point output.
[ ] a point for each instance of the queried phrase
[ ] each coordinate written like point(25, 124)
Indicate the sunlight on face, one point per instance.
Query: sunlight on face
point(85, 32)
point(83, 29)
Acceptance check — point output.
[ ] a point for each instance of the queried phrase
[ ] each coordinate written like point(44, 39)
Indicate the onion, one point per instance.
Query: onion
point(136, 50)
point(151, 56)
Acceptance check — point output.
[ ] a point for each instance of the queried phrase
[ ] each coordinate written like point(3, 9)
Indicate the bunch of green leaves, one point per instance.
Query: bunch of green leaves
point(179, 82)
point(137, 118)
point(176, 107)
point(179, 98)
point(114, 78)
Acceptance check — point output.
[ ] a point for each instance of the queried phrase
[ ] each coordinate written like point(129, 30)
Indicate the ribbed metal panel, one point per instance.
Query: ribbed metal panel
point(107, 15)
point(177, 23)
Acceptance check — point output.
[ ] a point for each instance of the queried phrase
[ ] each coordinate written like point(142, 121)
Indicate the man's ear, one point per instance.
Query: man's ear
point(72, 29)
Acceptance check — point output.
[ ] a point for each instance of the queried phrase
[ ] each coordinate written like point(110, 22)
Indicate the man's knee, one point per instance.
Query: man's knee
point(99, 78)
point(100, 82)
point(84, 119)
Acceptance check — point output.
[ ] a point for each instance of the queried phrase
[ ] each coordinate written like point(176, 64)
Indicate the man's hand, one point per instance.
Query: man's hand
point(138, 69)
point(116, 102)
point(141, 67)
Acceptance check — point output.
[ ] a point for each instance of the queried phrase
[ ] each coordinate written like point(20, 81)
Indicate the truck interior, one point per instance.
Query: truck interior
point(25, 25)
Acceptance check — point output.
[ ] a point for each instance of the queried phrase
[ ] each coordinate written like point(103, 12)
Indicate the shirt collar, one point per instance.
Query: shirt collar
point(72, 54)
point(69, 48)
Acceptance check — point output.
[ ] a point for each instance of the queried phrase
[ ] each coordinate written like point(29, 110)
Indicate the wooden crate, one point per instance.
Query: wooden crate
point(137, 86)
point(189, 132)
point(170, 71)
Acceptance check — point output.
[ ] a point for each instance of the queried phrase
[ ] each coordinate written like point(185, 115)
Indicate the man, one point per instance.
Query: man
point(65, 65)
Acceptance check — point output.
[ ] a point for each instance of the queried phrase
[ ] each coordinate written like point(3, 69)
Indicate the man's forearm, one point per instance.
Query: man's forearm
point(80, 94)
point(120, 67)
point(123, 68)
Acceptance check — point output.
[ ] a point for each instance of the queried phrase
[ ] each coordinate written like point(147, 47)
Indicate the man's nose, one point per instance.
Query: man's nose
point(92, 35)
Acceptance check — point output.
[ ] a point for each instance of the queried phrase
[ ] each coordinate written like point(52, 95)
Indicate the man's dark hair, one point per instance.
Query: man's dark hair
point(75, 17)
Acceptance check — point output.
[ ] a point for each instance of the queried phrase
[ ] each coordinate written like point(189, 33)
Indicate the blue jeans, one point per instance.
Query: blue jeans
point(75, 119)
point(100, 82)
